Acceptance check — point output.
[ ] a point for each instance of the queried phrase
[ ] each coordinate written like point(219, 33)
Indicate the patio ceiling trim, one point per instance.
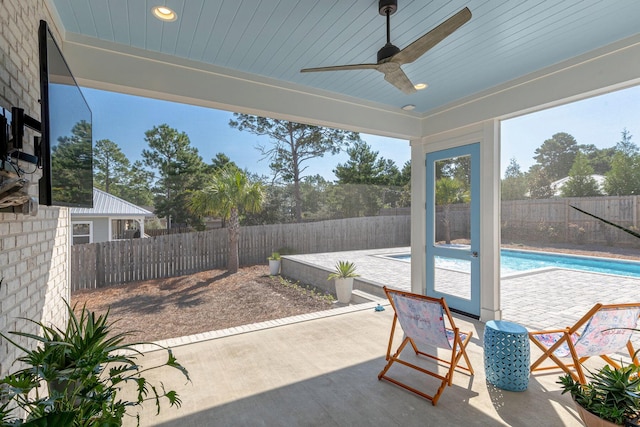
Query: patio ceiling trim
point(106, 66)
point(603, 70)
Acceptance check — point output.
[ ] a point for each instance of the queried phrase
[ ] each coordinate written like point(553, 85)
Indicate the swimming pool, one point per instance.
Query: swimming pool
point(514, 261)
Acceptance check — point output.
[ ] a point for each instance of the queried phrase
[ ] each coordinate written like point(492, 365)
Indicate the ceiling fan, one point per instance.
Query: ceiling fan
point(390, 57)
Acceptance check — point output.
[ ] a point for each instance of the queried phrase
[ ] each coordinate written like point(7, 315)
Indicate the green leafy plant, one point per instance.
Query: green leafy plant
point(275, 256)
point(578, 233)
point(74, 376)
point(611, 394)
point(343, 270)
point(308, 290)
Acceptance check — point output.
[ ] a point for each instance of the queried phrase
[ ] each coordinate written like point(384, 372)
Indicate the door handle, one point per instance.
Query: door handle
point(474, 254)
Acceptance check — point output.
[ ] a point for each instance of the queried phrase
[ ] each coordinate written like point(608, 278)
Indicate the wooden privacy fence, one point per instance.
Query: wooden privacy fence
point(103, 264)
point(554, 220)
point(549, 220)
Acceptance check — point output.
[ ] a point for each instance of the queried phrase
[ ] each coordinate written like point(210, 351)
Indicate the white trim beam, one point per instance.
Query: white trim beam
point(604, 70)
point(106, 66)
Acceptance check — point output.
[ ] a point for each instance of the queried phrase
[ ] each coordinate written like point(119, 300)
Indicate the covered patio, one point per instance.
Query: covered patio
point(321, 368)
point(323, 372)
point(511, 58)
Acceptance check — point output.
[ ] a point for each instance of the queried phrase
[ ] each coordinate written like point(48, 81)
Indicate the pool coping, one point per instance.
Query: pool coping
point(393, 257)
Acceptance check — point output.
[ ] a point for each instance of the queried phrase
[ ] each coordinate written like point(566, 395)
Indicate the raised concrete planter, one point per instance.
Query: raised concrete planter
point(317, 276)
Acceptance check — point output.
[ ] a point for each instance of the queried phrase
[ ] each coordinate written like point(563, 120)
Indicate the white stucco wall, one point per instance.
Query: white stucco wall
point(33, 249)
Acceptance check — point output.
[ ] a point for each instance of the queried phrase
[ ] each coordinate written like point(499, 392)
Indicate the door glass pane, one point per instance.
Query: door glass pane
point(453, 198)
point(453, 277)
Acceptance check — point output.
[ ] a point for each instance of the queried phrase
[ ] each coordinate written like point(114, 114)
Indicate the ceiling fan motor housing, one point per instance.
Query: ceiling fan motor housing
point(387, 6)
point(387, 51)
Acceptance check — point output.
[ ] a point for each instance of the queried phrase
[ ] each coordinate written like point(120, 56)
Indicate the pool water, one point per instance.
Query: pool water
point(513, 261)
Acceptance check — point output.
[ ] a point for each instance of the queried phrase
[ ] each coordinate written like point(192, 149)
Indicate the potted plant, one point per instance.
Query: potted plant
point(343, 275)
point(274, 264)
point(74, 376)
point(610, 398)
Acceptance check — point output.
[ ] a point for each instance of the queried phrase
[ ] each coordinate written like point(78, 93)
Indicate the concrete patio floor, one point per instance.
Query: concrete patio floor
point(321, 369)
point(324, 373)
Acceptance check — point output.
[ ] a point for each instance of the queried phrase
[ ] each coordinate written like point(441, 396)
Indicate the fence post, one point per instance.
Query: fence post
point(100, 267)
point(635, 212)
point(566, 220)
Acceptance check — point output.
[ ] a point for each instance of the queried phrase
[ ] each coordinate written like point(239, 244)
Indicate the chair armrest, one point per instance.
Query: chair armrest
point(550, 331)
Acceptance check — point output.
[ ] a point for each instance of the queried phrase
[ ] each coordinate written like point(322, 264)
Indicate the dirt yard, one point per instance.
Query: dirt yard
point(206, 301)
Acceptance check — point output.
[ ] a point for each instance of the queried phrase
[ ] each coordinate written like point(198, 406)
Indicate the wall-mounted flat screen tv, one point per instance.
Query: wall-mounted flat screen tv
point(67, 145)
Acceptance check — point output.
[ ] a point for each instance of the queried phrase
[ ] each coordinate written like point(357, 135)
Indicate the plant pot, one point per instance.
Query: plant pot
point(592, 420)
point(344, 287)
point(274, 267)
point(68, 388)
point(633, 422)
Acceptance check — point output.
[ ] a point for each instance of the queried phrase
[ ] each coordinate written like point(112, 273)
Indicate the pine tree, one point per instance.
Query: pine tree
point(178, 170)
point(556, 155)
point(581, 182)
point(514, 184)
point(292, 146)
point(624, 177)
point(110, 166)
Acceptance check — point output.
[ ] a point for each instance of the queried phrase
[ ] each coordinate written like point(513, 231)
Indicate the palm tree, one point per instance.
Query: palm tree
point(449, 191)
point(229, 194)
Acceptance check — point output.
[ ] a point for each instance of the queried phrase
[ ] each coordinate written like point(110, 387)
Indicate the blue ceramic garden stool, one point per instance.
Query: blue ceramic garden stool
point(506, 355)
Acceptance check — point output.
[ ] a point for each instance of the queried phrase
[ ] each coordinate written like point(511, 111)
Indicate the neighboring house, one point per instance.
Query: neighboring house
point(111, 218)
point(556, 186)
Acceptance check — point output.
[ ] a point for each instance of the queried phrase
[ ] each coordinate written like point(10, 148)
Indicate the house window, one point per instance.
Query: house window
point(82, 233)
point(124, 229)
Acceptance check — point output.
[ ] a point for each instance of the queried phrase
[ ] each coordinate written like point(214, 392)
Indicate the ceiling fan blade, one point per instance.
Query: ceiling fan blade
point(341, 67)
point(420, 46)
point(399, 79)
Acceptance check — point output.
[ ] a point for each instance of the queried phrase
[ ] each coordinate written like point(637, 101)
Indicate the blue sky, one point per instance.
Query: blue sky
point(124, 119)
point(598, 121)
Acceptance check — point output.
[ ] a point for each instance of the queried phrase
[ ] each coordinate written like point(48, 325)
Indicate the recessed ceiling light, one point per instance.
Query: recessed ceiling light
point(409, 107)
point(421, 86)
point(163, 13)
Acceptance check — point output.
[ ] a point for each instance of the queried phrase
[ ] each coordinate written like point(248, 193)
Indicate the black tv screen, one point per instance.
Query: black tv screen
point(67, 145)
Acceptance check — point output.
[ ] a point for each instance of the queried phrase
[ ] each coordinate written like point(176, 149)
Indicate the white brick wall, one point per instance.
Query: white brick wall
point(34, 251)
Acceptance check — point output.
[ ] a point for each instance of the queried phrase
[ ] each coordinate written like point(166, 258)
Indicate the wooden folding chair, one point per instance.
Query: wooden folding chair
point(422, 319)
point(606, 329)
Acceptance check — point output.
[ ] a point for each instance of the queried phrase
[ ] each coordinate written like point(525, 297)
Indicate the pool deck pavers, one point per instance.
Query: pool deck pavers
point(545, 298)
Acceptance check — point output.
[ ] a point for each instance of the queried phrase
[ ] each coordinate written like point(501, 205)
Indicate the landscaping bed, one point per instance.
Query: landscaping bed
point(201, 302)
